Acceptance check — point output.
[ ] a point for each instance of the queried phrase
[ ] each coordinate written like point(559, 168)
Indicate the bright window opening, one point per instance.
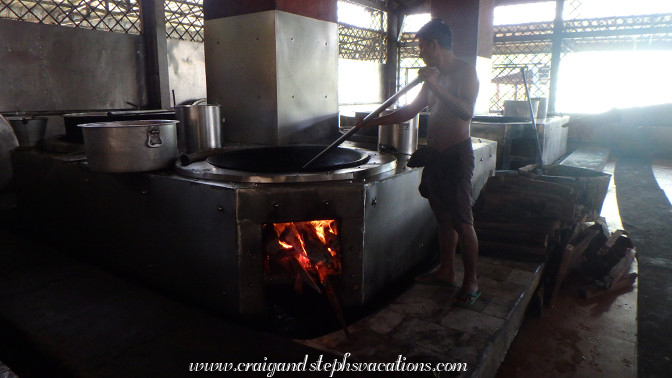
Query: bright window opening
point(594, 82)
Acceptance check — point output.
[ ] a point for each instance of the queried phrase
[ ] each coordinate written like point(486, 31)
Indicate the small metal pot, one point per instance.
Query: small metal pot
point(200, 128)
point(520, 108)
point(401, 138)
point(130, 146)
point(29, 131)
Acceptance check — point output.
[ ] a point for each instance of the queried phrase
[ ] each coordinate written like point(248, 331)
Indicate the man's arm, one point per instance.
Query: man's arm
point(461, 104)
point(402, 114)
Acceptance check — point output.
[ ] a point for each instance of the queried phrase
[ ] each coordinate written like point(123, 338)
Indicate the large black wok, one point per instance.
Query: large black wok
point(287, 159)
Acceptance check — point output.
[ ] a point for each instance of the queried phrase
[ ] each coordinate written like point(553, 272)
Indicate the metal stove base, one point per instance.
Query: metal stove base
point(201, 239)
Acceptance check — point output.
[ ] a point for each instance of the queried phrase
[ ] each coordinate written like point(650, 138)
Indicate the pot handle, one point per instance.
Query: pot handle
point(154, 137)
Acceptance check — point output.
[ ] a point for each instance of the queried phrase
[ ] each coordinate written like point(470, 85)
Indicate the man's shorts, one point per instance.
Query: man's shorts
point(446, 183)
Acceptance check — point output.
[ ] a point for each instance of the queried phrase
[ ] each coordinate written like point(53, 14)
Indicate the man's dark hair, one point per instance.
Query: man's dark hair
point(437, 30)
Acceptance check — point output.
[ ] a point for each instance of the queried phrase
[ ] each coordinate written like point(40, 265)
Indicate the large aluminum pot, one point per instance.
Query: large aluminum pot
point(401, 137)
point(130, 146)
point(73, 133)
point(200, 127)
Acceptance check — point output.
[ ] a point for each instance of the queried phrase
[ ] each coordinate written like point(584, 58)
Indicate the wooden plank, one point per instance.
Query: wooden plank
point(519, 237)
point(620, 268)
point(626, 281)
point(520, 206)
point(512, 251)
point(548, 227)
point(569, 254)
point(610, 243)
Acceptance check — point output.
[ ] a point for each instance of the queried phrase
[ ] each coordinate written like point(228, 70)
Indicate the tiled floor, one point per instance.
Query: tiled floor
point(422, 325)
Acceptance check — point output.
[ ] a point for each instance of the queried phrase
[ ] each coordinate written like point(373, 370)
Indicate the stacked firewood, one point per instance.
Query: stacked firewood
point(529, 213)
point(603, 262)
point(522, 218)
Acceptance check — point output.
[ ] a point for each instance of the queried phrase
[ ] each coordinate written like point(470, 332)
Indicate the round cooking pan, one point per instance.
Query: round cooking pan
point(287, 159)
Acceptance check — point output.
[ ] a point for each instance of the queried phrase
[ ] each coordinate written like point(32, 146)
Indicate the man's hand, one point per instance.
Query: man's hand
point(370, 123)
point(429, 75)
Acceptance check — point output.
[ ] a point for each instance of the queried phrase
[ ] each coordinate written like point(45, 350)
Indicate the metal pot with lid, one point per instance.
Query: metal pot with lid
point(73, 133)
point(130, 146)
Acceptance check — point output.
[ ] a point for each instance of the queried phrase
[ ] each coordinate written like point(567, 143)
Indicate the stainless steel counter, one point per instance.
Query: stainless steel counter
point(516, 141)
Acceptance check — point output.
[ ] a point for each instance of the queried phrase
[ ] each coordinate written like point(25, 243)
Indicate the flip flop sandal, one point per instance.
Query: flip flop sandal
point(466, 298)
point(430, 279)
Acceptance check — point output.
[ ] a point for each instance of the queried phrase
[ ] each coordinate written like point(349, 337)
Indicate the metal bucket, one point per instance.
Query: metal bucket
point(29, 131)
point(200, 127)
point(402, 137)
point(520, 108)
point(130, 146)
point(542, 108)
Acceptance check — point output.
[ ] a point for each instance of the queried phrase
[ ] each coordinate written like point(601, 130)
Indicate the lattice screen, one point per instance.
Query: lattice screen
point(530, 45)
point(515, 47)
point(121, 16)
point(366, 42)
point(619, 33)
point(409, 59)
point(184, 20)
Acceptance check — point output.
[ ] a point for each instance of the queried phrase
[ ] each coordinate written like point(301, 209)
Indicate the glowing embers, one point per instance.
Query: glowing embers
point(308, 252)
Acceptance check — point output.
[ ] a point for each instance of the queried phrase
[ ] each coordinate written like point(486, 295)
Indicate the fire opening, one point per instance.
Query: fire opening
point(306, 252)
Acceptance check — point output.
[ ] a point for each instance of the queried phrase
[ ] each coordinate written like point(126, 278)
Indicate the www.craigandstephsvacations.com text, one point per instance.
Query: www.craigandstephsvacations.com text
point(327, 366)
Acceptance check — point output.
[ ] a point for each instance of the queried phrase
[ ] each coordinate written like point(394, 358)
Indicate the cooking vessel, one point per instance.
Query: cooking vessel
point(520, 108)
point(29, 131)
point(287, 159)
point(130, 146)
point(400, 137)
point(73, 133)
point(200, 127)
point(542, 107)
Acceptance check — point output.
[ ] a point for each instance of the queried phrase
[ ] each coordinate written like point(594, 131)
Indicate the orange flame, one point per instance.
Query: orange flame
point(325, 231)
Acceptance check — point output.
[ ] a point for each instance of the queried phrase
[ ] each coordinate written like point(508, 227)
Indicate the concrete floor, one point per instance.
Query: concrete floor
point(596, 337)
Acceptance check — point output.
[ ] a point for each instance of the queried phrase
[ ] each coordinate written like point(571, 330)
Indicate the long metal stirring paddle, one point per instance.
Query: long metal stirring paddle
point(373, 114)
point(523, 73)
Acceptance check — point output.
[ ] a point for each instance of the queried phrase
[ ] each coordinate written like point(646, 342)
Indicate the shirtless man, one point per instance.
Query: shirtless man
point(450, 89)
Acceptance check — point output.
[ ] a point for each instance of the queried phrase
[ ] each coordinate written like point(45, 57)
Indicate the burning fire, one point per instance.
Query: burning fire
point(313, 244)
